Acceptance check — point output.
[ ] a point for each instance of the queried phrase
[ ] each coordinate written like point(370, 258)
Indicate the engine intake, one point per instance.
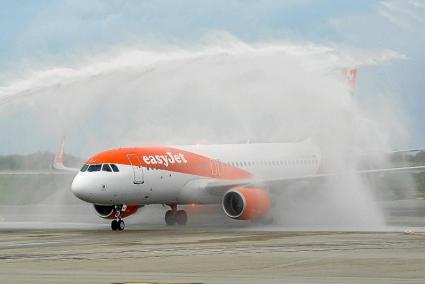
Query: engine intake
point(246, 203)
point(109, 212)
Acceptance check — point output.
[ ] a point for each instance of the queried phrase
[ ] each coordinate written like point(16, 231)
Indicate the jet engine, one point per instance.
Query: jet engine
point(109, 211)
point(246, 203)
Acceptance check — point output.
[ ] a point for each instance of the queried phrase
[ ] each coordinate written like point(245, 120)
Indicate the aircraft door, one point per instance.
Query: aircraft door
point(215, 167)
point(137, 169)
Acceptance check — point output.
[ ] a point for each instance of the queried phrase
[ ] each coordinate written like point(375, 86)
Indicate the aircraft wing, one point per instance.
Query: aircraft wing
point(222, 186)
point(405, 151)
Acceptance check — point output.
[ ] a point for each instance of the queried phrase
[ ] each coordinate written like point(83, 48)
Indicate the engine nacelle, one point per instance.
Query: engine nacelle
point(246, 203)
point(109, 212)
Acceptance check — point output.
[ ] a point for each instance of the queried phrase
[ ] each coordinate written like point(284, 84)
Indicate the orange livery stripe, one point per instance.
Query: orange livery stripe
point(170, 159)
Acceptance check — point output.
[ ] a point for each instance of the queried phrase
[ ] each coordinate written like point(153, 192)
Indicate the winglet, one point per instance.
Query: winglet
point(59, 157)
point(58, 162)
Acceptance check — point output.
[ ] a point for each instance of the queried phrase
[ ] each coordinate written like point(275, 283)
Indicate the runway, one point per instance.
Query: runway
point(61, 240)
point(199, 255)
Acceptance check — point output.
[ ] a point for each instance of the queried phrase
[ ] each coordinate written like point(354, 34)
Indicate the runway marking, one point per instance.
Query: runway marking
point(413, 233)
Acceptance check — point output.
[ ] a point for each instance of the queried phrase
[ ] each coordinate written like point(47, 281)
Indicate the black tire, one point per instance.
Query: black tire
point(170, 218)
point(114, 225)
point(181, 217)
point(121, 225)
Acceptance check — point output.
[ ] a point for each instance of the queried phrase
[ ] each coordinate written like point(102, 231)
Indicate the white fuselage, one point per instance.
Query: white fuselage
point(144, 184)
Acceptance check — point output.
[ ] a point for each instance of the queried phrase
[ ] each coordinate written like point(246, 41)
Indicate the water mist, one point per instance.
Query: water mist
point(230, 92)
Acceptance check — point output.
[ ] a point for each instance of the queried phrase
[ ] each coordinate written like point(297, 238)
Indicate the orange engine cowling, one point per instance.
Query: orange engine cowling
point(246, 203)
point(109, 212)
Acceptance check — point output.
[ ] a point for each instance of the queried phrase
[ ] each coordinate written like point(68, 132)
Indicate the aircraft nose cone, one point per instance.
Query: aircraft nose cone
point(80, 188)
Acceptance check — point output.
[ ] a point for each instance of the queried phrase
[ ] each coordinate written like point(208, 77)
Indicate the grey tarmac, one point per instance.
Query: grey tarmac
point(159, 254)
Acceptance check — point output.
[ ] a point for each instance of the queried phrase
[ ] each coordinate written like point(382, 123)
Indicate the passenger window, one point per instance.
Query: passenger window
point(114, 168)
point(106, 168)
point(94, 168)
point(84, 168)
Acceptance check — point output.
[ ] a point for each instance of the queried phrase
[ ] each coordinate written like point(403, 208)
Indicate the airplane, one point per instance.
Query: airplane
point(239, 176)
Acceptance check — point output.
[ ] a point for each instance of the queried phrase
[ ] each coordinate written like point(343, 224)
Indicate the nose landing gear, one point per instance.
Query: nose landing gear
point(118, 224)
point(175, 216)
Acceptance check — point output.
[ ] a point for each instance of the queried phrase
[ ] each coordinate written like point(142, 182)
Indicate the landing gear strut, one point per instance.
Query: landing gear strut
point(175, 216)
point(118, 224)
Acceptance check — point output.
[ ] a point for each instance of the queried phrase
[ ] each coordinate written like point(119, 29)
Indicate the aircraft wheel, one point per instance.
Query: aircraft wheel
point(121, 225)
point(114, 225)
point(170, 218)
point(181, 217)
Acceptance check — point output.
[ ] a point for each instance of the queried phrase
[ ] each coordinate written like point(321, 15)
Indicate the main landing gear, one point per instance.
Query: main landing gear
point(175, 216)
point(118, 224)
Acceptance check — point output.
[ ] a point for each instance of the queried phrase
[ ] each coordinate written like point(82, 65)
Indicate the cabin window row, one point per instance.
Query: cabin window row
point(239, 164)
point(272, 163)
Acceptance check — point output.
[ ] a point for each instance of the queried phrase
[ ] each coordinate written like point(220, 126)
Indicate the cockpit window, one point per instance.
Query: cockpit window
point(84, 168)
point(106, 168)
point(115, 168)
point(94, 168)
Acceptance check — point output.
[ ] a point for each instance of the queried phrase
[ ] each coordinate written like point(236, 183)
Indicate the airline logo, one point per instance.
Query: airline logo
point(165, 156)
point(166, 159)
